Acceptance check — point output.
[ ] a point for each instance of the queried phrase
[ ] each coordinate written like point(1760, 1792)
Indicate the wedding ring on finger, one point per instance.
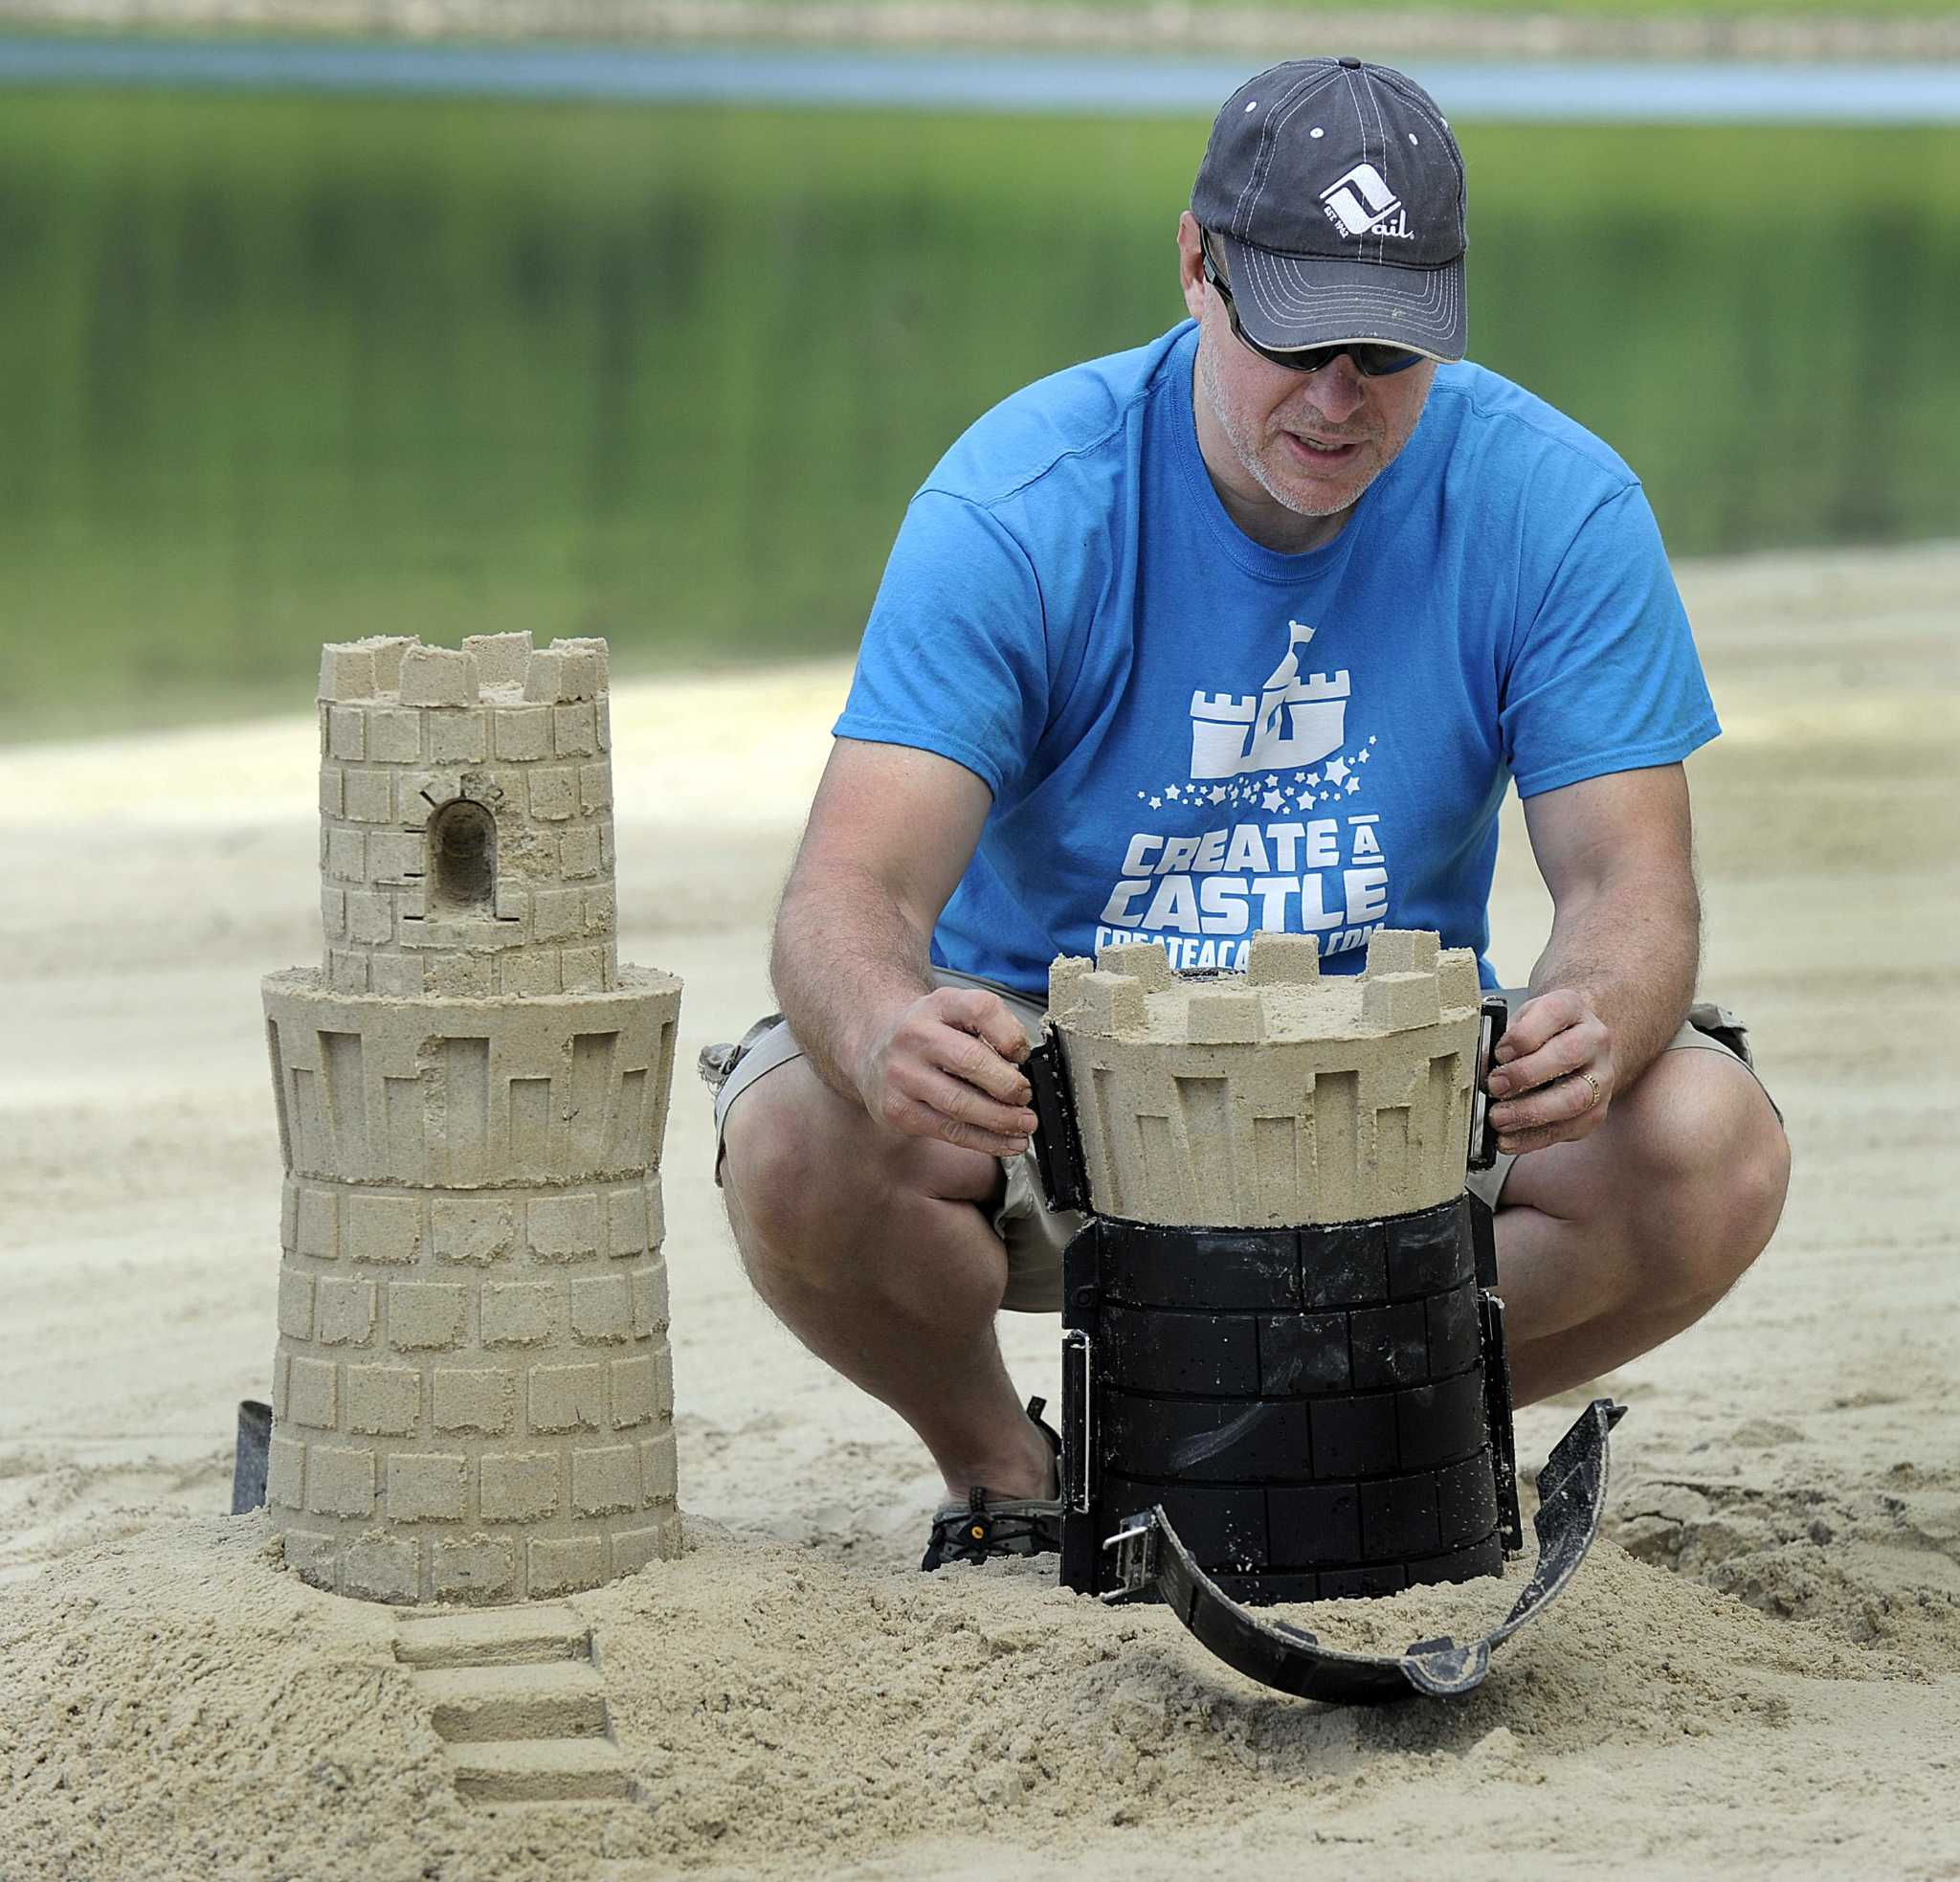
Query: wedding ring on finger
point(1597, 1094)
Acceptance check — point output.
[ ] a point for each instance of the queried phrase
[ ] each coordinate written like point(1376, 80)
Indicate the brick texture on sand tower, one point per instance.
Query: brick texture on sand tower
point(472, 1394)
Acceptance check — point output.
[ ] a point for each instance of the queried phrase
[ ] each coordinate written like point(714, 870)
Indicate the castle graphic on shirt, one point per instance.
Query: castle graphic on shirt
point(1292, 719)
point(1271, 829)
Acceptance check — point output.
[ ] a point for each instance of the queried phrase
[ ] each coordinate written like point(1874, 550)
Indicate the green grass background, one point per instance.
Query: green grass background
point(273, 372)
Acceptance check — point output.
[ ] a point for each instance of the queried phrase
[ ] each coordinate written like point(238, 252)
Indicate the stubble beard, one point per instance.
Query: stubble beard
point(1248, 451)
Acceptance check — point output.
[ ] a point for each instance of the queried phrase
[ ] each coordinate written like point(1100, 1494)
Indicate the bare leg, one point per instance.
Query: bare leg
point(1608, 1246)
point(876, 1251)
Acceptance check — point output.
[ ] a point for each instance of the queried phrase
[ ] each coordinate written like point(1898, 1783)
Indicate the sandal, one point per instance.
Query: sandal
point(983, 1526)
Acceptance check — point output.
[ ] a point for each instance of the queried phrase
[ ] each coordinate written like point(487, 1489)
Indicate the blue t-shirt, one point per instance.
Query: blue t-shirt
point(1190, 738)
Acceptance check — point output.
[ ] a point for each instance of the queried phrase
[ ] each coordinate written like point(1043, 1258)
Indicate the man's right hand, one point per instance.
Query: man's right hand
point(949, 1067)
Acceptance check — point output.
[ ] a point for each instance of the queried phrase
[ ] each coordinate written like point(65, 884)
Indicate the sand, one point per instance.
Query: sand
point(1757, 1673)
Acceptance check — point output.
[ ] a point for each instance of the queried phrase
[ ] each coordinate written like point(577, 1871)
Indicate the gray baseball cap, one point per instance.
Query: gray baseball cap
point(1334, 190)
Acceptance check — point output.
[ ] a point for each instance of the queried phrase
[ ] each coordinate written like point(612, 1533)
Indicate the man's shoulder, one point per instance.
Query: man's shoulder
point(1503, 429)
point(1070, 427)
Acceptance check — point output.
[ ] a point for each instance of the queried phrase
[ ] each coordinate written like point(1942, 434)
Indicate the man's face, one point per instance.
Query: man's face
point(1291, 452)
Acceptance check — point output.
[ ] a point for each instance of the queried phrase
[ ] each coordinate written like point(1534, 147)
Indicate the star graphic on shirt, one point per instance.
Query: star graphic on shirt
point(1313, 778)
point(1272, 783)
point(1272, 801)
point(1299, 777)
point(1337, 772)
point(1353, 785)
point(1218, 794)
point(1373, 739)
point(1172, 792)
point(1156, 804)
point(1362, 758)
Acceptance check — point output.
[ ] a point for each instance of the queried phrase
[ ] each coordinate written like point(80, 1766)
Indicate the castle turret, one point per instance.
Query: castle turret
point(473, 1393)
point(1276, 1097)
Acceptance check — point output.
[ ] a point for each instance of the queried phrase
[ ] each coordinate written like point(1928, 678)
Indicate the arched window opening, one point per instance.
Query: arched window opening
point(463, 859)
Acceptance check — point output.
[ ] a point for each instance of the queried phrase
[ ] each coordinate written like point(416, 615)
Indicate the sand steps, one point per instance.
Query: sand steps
point(498, 1636)
point(562, 1699)
point(518, 1703)
point(550, 1771)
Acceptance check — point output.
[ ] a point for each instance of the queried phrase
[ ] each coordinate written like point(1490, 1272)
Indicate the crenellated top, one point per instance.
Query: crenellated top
point(1410, 980)
point(1276, 1097)
point(488, 669)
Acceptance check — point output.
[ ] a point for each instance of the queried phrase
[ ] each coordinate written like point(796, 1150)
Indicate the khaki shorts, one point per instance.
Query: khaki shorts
point(1035, 1234)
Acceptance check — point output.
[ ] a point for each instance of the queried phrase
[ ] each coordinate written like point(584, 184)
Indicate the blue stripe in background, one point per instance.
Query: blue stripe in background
point(1580, 92)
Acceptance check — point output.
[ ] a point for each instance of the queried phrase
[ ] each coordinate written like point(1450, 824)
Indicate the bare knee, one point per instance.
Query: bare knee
point(816, 1190)
point(778, 1165)
point(1706, 1169)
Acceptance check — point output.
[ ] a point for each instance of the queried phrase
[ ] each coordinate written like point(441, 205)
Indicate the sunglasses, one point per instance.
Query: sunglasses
point(1372, 359)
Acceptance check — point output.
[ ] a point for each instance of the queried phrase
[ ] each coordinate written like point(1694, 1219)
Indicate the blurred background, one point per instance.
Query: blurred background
point(645, 321)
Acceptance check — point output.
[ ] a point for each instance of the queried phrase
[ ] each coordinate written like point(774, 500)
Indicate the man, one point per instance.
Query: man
point(1247, 629)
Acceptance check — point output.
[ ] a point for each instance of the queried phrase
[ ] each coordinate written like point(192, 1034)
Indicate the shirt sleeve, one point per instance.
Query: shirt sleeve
point(1605, 676)
point(954, 656)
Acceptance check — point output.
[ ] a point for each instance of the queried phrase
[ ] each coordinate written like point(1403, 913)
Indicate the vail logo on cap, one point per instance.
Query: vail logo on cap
point(1361, 203)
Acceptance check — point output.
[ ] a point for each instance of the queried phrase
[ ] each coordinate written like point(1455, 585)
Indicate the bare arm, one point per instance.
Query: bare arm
point(1619, 970)
point(890, 834)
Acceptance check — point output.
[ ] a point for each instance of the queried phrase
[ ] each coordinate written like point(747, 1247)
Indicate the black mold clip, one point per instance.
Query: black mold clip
point(1495, 1020)
point(1058, 1141)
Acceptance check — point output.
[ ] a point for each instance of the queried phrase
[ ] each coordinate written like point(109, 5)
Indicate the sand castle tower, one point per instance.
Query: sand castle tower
point(1276, 1097)
point(473, 1392)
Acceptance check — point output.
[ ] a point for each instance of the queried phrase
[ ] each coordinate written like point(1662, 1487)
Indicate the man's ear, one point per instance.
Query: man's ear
point(1191, 265)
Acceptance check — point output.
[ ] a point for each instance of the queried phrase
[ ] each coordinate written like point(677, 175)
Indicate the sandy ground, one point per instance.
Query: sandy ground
point(1760, 1675)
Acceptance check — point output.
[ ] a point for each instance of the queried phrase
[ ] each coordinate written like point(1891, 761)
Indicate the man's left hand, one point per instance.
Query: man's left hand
point(1553, 1080)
